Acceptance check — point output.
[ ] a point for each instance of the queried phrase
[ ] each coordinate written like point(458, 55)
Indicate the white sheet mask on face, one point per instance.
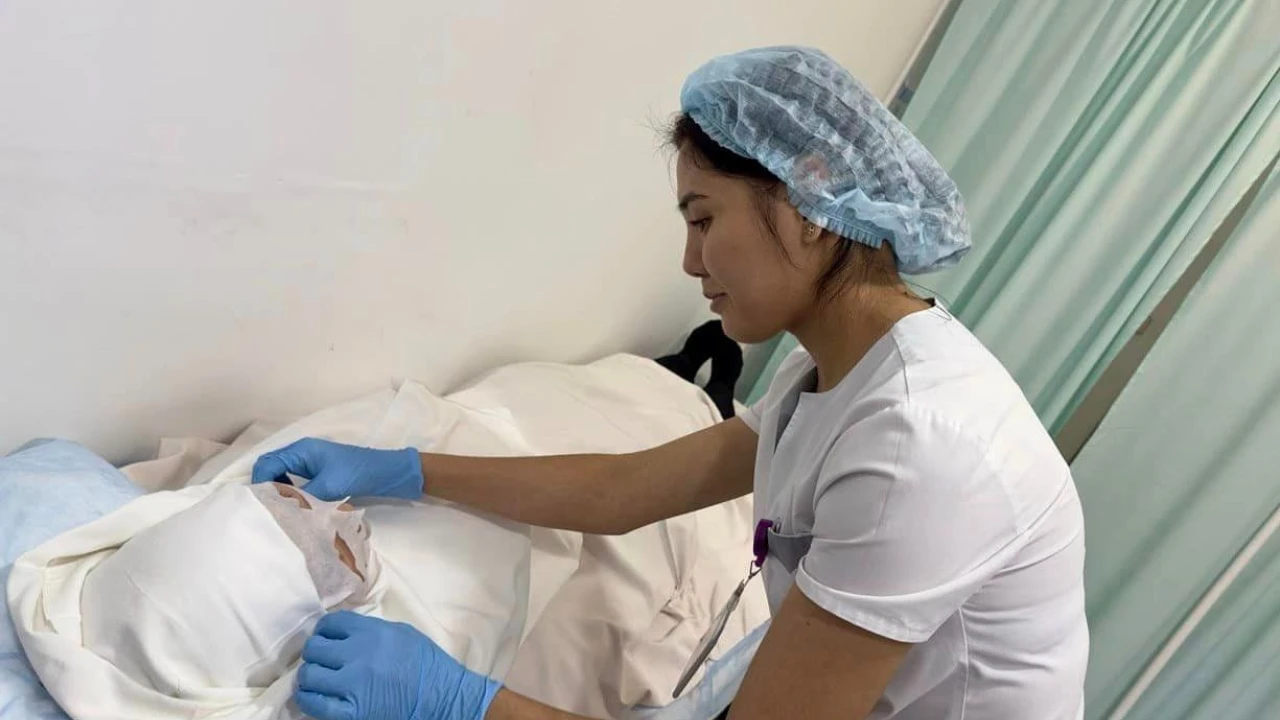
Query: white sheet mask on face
point(312, 531)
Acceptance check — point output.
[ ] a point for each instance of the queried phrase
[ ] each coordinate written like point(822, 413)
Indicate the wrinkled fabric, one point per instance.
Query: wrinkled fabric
point(621, 614)
point(720, 683)
point(212, 600)
point(849, 165)
point(74, 642)
point(46, 488)
point(429, 552)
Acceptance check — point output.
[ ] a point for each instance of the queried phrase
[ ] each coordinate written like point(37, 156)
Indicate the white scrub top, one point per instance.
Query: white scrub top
point(922, 500)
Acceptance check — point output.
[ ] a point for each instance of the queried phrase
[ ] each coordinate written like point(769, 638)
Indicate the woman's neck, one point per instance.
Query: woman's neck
point(841, 332)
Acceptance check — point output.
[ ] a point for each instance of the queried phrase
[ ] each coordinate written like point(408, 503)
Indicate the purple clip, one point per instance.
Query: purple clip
point(761, 545)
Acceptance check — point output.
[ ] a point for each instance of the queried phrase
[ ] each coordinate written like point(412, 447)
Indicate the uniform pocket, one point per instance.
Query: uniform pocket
point(789, 549)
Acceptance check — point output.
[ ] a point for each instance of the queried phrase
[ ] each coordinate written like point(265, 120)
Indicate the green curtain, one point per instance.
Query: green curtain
point(1098, 144)
point(1181, 473)
point(781, 348)
point(1228, 667)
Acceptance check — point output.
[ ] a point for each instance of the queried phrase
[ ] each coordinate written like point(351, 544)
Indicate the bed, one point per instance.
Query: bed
point(552, 613)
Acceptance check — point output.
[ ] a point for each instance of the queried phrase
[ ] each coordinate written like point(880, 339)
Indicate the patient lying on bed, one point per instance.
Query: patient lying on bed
point(221, 596)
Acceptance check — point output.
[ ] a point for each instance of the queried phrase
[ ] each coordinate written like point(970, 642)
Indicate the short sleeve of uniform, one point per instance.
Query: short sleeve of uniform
point(909, 522)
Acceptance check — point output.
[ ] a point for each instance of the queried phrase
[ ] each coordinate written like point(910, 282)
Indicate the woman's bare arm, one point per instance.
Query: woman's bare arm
point(603, 494)
point(512, 706)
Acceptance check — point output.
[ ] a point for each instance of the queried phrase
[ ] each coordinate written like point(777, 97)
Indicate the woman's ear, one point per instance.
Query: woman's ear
point(808, 233)
point(812, 232)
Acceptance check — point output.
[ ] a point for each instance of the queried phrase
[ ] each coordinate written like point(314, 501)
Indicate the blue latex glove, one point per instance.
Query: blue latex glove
point(337, 471)
point(361, 668)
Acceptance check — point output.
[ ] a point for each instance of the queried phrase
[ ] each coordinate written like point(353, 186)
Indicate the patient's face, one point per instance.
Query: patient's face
point(304, 501)
point(332, 536)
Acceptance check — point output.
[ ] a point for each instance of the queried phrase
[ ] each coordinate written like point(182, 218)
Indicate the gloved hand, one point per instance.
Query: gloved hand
point(337, 471)
point(362, 668)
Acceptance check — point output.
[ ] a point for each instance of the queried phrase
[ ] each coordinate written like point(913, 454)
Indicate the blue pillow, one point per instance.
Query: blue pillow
point(46, 488)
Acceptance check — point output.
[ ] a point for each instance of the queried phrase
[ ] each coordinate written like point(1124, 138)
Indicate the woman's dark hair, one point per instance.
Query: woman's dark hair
point(711, 155)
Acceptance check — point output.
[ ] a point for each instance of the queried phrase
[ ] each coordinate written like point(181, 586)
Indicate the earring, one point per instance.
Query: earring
point(810, 228)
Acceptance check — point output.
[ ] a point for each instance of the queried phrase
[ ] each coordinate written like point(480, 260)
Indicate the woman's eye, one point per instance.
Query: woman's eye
point(701, 225)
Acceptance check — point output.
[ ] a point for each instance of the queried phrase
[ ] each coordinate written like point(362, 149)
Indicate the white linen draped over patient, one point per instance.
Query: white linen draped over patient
point(459, 577)
point(465, 579)
point(215, 600)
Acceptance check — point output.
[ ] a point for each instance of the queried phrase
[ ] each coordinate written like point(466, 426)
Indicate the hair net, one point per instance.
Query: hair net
point(849, 165)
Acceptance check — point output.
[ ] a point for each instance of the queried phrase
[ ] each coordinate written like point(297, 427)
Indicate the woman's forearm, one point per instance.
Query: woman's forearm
point(513, 706)
point(586, 493)
point(602, 494)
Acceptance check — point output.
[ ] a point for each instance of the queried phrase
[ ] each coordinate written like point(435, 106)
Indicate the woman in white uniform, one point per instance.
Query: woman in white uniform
point(925, 542)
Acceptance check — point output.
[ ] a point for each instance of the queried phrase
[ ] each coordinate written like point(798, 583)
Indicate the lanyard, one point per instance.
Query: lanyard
point(760, 549)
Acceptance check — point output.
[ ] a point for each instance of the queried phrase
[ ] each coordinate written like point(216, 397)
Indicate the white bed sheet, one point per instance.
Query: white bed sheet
point(430, 553)
point(649, 622)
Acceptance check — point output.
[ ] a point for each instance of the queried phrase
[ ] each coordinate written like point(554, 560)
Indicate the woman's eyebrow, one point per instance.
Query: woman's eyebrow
point(689, 197)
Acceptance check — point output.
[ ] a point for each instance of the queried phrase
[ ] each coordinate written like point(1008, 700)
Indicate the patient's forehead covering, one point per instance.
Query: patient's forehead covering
point(215, 596)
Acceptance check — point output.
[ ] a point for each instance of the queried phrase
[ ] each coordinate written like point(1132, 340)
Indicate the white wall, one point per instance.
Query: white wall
point(217, 211)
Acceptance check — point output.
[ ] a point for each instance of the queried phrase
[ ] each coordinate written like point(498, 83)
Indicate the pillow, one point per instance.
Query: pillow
point(46, 488)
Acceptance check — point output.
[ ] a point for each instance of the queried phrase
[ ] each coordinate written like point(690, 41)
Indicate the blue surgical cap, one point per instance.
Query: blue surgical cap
point(849, 165)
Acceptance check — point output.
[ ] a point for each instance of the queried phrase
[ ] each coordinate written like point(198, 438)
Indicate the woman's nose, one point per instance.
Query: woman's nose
point(692, 263)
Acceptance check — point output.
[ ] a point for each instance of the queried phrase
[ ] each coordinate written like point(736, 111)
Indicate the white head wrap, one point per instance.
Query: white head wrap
point(216, 598)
